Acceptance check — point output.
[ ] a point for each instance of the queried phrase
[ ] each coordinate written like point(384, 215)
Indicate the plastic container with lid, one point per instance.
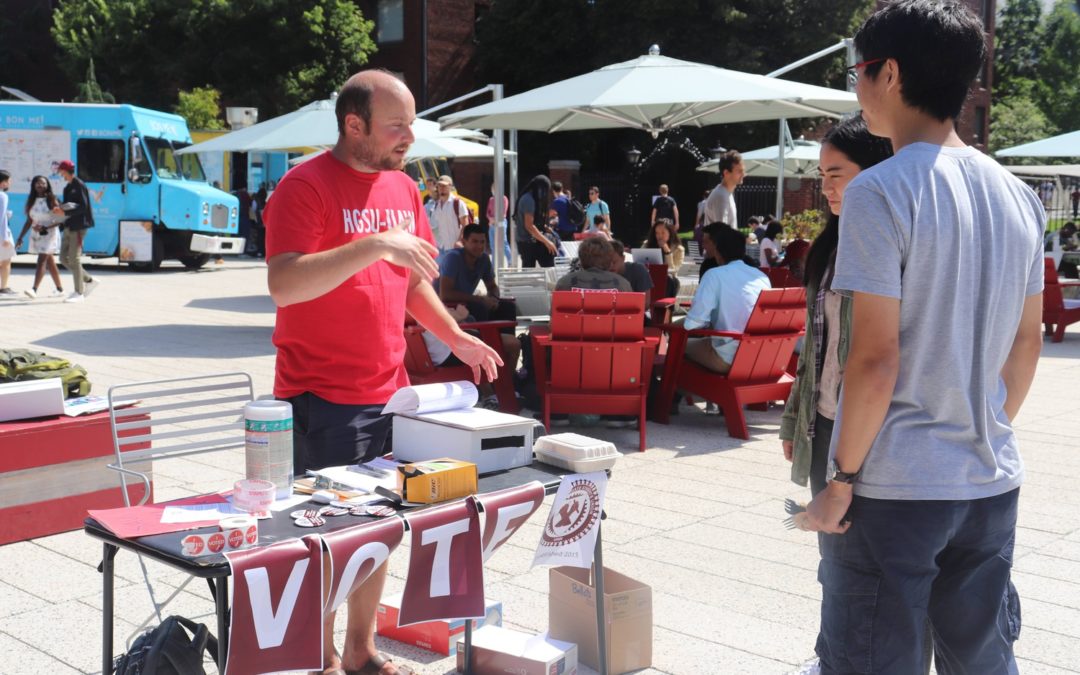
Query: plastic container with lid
point(575, 452)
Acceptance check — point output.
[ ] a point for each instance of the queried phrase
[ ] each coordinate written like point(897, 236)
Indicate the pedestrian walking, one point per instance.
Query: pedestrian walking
point(7, 242)
point(80, 218)
point(44, 230)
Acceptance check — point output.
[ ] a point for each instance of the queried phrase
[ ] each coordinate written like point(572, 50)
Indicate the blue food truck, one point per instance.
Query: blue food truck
point(149, 203)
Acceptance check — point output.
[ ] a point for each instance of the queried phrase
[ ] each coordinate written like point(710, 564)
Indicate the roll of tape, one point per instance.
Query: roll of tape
point(240, 531)
point(253, 495)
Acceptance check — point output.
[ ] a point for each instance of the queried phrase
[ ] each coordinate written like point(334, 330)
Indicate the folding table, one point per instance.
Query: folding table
point(165, 548)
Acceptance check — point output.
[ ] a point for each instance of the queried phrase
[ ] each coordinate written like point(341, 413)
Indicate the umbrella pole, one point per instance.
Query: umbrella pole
point(499, 212)
point(510, 229)
point(780, 171)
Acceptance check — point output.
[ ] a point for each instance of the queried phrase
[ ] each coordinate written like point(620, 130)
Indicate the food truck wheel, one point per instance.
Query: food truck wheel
point(194, 261)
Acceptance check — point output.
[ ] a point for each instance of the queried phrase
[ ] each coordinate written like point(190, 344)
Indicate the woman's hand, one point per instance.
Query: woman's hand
point(789, 450)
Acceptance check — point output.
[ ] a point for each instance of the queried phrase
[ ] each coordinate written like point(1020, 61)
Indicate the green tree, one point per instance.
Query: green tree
point(1058, 87)
point(1017, 48)
point(1017, 120)
point(201, 107)
point(90, 91)
point(274, 54)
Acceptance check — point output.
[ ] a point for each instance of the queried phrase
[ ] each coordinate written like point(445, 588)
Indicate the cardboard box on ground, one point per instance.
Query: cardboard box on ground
point(496, 651)
point(627, 611)
point(440, 637)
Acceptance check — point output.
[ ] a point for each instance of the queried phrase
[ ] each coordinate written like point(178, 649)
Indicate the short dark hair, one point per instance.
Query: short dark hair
point(595, 252)
point(617, 247)
point(593, 188)
point(773, 228)
point(556, 185)
point(753, 220)
point(729, 243)
point(471, 229)
point(4, 175)
point(598, 219)
point(727, 161)
point(938, 46)
point(355, 99)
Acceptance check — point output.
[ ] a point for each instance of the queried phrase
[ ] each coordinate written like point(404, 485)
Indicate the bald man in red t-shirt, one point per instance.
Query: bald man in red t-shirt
point(349, 251)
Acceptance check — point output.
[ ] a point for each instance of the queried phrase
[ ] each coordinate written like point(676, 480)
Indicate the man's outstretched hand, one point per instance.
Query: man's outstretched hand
point(475, 353)
point(401, 247)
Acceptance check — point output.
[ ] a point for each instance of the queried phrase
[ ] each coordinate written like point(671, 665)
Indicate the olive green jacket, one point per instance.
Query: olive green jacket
point(801, 405)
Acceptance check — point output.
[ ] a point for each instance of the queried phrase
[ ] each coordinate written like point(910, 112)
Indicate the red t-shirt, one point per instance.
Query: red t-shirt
point(348, 345)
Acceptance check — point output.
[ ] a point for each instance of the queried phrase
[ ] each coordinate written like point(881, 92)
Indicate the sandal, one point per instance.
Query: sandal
point(375, 664)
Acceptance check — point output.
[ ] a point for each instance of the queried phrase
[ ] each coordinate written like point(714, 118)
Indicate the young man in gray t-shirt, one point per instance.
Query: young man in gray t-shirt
point(941, 249)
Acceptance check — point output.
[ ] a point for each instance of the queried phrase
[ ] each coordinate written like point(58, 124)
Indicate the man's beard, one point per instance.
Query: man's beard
point(364, 153)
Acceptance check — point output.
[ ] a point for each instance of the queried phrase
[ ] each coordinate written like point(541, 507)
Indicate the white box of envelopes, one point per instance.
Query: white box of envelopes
point(31, 398)
point(491, 440)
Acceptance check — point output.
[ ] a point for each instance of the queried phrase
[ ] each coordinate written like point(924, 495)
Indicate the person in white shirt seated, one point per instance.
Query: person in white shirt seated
point(724, 301)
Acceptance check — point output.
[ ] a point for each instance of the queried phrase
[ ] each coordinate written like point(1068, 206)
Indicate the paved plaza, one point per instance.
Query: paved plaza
point(697, 517)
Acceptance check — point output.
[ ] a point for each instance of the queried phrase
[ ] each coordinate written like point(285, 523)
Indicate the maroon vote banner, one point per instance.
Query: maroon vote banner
point(277, 608)
point(506, 511)
point(446, 568)
point(356, 552)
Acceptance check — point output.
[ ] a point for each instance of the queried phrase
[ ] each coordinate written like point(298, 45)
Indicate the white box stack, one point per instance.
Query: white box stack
point(577, 453)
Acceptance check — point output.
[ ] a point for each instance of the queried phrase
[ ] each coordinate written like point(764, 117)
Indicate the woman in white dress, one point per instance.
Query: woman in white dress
point(44, 233)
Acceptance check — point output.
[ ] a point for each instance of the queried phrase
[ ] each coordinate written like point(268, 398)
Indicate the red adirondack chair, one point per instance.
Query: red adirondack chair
point(659, 276)
point(780, 277)
point(758, 372)
point(600, 358)
point(422, 371)
point(1057, 309)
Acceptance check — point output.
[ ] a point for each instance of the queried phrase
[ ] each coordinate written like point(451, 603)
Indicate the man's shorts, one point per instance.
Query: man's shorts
point(333, 434)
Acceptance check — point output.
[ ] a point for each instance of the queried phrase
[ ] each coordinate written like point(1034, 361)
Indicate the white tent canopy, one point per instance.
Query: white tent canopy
point(1065, 145)
point(314, 125)
point(800, 160)
point(654, 93)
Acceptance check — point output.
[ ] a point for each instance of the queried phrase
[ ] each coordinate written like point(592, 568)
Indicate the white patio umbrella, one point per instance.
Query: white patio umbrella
point(654, 93)
point(435, 146)
point(1065, 145)
point(800, 160)
point(314, 125)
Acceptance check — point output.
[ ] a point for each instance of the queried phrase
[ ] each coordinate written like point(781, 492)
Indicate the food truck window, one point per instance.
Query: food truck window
point(100, 160)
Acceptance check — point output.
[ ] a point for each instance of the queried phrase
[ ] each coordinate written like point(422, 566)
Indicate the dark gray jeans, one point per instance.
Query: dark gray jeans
point(903, 562)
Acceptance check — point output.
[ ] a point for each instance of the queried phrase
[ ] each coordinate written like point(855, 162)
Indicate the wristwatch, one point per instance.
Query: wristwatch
point(835, 474)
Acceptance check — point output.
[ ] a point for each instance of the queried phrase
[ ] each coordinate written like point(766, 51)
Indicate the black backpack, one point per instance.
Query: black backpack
point(575, 213)
point(168, 650)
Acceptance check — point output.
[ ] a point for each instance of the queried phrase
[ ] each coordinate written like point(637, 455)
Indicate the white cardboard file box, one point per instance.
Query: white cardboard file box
point(491, 440)
point(32, 398)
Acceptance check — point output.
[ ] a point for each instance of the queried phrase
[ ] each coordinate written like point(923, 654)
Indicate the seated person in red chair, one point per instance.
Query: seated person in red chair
point(441, 355)
point(461, 269)
point(636, 273)
point(723, 301)
point(594, 255)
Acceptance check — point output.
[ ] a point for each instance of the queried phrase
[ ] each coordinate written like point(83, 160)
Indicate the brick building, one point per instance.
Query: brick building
point(431, 44)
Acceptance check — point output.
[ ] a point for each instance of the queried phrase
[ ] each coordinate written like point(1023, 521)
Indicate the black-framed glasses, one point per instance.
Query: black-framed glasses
point(853, 71)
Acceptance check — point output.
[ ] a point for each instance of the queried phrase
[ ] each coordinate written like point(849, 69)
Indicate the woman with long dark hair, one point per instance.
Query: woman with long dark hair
point(806, 426)
point(769, 246)
point(44, 234)
point(530, 219)
point(665, 237)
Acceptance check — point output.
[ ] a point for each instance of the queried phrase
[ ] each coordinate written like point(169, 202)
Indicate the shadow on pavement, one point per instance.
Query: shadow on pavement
point(246, 304)
point(179, 340)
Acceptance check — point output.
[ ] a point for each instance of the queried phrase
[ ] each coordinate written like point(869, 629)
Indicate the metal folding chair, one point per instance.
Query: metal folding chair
point(187, 416)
